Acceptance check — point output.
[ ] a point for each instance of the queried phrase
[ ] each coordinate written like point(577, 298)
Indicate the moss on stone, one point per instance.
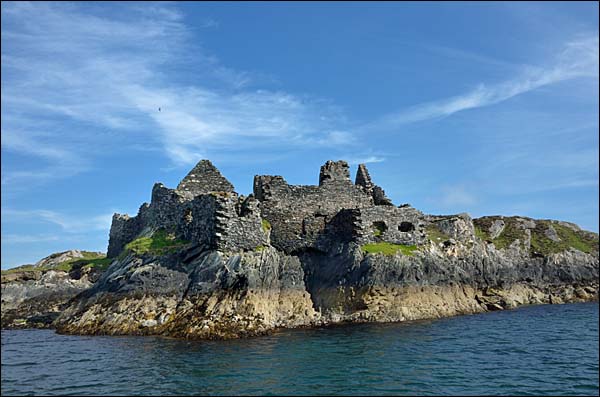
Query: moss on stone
point(389, 248)
point(159, 243)
point(266, 225)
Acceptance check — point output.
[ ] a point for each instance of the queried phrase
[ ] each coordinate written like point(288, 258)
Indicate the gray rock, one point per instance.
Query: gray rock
point(58, 257)
point(496, 228)
point(550, 232)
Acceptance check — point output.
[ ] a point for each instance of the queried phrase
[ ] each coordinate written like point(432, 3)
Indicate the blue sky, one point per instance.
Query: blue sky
point(486, 108)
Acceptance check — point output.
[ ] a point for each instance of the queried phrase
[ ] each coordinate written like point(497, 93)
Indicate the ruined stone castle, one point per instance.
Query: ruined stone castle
point(205, 209)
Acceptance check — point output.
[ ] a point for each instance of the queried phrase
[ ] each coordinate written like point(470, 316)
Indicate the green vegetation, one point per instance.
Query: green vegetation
point(569, 238)
point(435, 234)
point(89, 260)
point(159, 243)
point(266, 225)
point(389, 248)
point(540, 243)
point(511, 232)
point(260, 248)
point(24, 268)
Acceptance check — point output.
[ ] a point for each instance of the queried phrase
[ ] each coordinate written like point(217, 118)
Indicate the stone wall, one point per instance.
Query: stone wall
point(205, 210)
point(404, 225)
point(238, 224)
point(337, 210)
point(298, 214)
point(122, 230)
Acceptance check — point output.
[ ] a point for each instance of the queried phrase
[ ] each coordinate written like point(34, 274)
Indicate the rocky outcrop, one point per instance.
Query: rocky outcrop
point(60, 257)
point(35, 299)
point(194, 293)
point(34, 295)
point(200, 261)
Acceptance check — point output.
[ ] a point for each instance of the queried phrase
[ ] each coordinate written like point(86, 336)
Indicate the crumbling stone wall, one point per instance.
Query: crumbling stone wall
point(122, 230)
point(238, 224)
point(405, 225)
point(205, 210)
point(363, 180)
point(298, 214)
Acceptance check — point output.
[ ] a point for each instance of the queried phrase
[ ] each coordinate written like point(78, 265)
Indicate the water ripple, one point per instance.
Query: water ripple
point(536, 350)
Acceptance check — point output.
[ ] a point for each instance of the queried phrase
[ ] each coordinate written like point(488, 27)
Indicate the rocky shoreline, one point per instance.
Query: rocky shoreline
point(202, 262)
point(252, 294)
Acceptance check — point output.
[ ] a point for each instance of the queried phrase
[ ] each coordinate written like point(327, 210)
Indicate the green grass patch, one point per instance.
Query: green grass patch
point(159, 243)
point(98, 263)
point(389, 248)
point(260, 248)
point(435, 234)
point(266, 225)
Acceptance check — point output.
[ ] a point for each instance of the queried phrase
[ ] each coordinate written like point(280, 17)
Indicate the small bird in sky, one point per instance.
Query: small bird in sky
point(159, 109)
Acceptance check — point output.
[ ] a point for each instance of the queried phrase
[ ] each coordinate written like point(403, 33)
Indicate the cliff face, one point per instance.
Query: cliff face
point(200, 261)
point(194, 293)
point(218, 295)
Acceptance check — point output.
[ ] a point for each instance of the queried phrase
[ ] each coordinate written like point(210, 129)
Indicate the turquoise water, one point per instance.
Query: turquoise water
point(547, 349)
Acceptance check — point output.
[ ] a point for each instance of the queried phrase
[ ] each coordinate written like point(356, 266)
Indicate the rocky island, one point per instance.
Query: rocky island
point(202, 261)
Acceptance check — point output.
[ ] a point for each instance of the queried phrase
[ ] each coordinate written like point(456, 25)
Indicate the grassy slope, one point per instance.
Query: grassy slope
point(569, 238)
point(90, 259)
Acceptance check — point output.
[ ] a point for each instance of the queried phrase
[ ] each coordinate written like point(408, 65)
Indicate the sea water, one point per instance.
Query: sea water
point(534, 350)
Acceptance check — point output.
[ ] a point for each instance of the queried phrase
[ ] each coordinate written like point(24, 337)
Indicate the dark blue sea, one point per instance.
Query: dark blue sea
point(535, 350)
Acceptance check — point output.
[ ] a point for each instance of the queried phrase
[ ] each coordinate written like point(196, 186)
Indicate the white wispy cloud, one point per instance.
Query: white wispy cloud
point(27, 239)
point(457, 196)
point(364, 160)
point(78, 71)
point(578, 58)
point(67, 223)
